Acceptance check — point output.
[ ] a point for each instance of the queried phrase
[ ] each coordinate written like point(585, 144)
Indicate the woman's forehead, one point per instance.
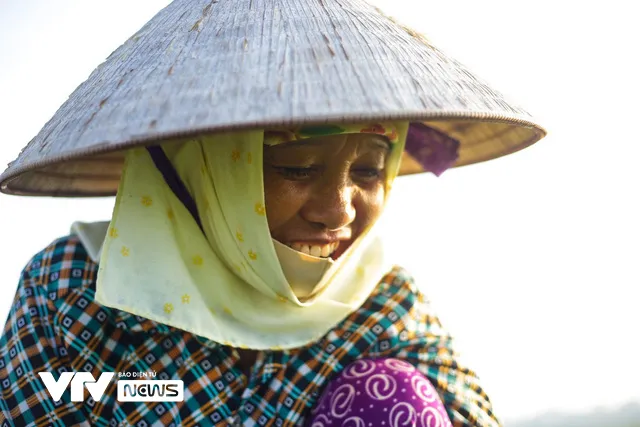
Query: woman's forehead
point(365, 142)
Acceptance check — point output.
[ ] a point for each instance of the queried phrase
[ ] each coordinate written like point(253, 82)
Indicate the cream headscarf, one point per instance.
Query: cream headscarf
point(227, 284)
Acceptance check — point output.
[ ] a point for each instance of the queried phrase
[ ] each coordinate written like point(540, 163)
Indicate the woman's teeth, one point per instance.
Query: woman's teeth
point(322, 251)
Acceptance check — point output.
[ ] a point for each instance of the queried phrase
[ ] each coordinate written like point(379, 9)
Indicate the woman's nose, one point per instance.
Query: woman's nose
point(331, 206)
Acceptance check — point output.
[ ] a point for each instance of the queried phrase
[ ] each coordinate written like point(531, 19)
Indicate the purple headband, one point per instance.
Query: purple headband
point(434, 150)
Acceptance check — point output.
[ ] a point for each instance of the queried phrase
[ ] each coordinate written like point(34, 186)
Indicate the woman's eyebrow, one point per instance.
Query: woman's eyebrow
point(375, 144)
point(377, 139)
point(382, 142)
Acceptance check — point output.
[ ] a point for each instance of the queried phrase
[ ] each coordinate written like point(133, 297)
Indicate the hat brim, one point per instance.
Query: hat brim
point(96, 173)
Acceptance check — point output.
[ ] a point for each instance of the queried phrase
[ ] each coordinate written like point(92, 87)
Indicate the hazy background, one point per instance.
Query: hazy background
point(531, 260)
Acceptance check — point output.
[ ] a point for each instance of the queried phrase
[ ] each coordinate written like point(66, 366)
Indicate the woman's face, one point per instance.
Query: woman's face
point(322, 193)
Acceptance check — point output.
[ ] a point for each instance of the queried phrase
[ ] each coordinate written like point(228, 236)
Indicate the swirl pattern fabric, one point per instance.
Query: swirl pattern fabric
point(382, 392)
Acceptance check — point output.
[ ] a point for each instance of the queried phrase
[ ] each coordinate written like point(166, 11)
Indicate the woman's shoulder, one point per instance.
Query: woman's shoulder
point(398, 287)
point(60, 267)
point(397, 306)
point(398, 276)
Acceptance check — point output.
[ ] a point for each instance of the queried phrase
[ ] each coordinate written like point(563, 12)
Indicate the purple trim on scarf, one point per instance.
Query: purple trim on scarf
point(171, 177)
point(381, 393)
point(435, 151)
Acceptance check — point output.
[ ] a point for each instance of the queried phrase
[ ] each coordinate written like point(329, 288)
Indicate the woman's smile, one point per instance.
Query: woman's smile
point(323, 250)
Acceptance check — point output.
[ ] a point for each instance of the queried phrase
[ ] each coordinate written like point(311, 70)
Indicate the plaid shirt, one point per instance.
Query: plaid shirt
point(55, 325)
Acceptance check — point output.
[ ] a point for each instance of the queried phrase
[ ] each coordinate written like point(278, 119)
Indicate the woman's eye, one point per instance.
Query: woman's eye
point(296, 173)
point(368, 174)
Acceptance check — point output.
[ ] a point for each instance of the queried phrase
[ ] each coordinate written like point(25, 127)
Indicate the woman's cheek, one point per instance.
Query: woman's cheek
point(282, 201)
point(370, 206)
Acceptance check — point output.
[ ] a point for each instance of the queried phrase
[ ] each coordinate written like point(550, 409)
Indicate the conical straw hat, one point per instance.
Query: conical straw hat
point(202, 66)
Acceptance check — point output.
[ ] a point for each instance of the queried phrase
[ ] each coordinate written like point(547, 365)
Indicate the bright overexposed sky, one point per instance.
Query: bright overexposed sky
point(532, 260)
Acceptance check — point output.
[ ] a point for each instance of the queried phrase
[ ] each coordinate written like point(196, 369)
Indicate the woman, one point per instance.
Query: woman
point(242, 255)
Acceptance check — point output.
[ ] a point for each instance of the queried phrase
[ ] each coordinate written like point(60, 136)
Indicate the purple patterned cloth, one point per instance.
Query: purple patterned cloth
point(379, 393)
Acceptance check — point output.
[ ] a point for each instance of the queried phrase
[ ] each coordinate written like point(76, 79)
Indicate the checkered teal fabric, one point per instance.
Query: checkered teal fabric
point(55, 325)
